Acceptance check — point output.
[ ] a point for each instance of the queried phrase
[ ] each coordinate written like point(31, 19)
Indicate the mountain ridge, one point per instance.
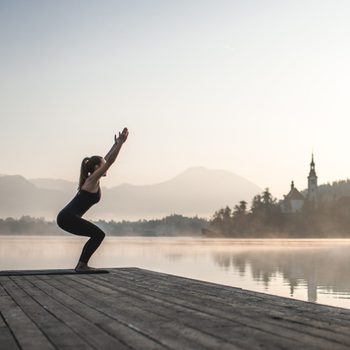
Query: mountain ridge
point(195, 191)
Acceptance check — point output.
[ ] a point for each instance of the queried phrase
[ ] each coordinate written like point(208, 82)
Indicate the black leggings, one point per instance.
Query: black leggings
point(75, 224)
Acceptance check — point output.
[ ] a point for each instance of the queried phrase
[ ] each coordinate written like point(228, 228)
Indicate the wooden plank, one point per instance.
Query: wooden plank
point(225, 330)
point(169, 332)
point(57, 332)
point(132, 308)
point(27, 334)
point(121, 331)
point(284, 317)
point(48, 272)
point(311, 335)
point(2, 291)
point(95, 336)
point(7, 340)
point(230, 295)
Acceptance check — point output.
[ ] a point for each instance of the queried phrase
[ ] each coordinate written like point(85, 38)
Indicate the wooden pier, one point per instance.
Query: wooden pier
point(132, 308)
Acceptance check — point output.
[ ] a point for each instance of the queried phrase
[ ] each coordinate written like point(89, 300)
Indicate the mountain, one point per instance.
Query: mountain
point(21, 197)
point(196, 191)
point(55, 184)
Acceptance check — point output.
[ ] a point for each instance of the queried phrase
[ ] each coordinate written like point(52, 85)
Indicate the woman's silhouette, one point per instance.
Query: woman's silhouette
point(89, 193)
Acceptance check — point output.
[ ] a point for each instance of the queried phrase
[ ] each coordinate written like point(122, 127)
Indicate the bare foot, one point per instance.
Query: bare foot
point(82, 267)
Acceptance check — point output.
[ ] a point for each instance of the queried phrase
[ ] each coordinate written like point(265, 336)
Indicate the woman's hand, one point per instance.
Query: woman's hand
point(122, 136)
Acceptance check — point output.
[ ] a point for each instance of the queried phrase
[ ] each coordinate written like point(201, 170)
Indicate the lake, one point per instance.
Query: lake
point(307, 269)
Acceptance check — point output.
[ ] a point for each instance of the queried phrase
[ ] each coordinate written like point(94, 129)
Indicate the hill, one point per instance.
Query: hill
point(196, 191)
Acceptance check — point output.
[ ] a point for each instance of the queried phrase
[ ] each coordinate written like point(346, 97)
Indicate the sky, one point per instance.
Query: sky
point(253, 87)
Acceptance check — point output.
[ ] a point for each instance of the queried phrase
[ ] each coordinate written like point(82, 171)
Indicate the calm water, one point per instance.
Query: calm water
point(311, 270)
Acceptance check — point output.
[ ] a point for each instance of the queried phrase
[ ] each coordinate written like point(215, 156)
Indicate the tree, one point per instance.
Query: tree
point(240, 219)
point(240, 209)
point(222, 221)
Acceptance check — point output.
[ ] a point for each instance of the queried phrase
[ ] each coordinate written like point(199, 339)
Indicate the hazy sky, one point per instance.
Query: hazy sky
point(249, 86)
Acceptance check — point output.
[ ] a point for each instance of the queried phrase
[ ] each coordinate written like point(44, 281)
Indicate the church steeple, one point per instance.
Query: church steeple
point(312, 167)
point(312, 182)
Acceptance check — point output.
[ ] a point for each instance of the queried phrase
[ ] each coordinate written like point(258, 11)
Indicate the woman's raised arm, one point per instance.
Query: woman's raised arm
point(107, 156)
point(111, 156)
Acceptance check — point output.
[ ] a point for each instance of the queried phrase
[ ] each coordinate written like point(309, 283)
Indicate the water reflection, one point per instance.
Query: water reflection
point(323, 270)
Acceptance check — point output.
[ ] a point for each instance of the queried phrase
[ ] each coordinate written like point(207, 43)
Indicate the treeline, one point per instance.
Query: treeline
point(264, 219)
point(172, 225)
point(330, 218)
point(27, 225)
point(334, 190)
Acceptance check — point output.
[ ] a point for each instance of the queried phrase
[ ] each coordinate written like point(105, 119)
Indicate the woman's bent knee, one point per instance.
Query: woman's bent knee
point(98, 235)
point(60, 220)
point(101, 235)
point(64, 221)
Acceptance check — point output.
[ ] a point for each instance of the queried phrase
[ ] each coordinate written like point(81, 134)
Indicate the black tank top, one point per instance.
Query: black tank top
point(82, 201)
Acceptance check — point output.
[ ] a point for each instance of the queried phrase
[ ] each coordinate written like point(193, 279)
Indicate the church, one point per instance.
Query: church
point(294, 201)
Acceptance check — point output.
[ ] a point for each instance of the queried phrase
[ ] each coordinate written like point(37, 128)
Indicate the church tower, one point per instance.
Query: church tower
point(312, 194)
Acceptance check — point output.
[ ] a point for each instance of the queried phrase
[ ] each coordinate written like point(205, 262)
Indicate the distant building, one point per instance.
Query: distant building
point(294, 201)
point(312, 193)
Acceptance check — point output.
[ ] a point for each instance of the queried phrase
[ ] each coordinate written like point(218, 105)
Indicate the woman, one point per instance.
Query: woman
point(89, 193)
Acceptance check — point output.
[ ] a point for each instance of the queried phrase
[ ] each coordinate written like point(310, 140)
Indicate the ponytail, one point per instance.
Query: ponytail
point(88, 166)
point(83, 172)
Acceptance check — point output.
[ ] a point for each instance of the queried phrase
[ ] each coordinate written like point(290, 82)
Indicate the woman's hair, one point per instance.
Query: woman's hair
point(88, 166)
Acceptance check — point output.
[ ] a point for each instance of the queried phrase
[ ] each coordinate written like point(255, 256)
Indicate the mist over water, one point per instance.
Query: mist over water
point(311, 270)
